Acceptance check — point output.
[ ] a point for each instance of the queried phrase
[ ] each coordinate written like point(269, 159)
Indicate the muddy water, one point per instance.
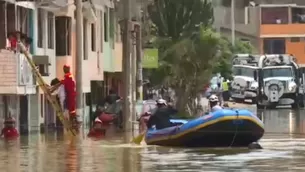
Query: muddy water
point(284, 150)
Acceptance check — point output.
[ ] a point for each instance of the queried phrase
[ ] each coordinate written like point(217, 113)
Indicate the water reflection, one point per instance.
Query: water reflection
point(282, 121)
point(284, 148)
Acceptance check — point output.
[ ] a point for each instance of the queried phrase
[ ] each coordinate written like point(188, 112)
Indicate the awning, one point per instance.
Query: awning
point(41, 60)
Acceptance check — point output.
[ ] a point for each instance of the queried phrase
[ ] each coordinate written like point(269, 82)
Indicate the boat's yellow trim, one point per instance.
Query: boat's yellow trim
point(225, 118)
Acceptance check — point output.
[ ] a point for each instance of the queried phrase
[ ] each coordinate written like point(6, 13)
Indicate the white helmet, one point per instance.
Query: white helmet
point(213, 98)
point(161, 101)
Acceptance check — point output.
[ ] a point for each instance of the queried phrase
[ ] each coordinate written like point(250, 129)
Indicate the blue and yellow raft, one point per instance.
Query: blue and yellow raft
point(236, 128)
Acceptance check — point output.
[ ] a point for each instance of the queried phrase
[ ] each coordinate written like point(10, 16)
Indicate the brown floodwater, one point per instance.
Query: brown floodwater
point(284, 150)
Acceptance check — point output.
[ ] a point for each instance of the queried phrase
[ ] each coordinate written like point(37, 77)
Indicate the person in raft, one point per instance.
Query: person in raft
point(97, 130)
point(9, 131)
point(213, 101)
point(70, 90)
point(161, 117)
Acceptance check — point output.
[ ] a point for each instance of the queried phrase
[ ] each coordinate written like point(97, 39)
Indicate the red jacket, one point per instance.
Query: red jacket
point(9, 133)
point(70, 89)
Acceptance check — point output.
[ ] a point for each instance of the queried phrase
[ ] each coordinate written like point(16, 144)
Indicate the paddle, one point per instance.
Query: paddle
point(138, 139)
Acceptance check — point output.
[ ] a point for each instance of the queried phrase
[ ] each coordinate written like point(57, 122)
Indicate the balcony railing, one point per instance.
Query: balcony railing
point(15, 74)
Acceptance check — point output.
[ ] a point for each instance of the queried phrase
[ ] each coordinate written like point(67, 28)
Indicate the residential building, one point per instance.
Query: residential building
point(16, 80)
point(51, 25)
point(272, 28)
point(102, 48)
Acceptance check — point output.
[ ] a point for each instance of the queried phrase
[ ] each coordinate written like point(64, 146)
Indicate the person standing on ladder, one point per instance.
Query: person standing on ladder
point(70, 89)
point(70, 100)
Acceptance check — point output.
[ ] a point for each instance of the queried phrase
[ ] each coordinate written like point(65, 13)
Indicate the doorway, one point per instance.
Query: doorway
point(23, 117)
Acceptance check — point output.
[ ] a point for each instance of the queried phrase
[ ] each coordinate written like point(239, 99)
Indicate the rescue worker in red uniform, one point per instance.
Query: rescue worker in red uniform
point(9, 131)
point(97, 130)
point(70, 89)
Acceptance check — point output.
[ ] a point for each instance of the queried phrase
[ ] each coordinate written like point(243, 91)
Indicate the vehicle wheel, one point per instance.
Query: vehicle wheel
point(238, 100)
point(294, 105)
point(301, 101)
point(258, 106)
point(298, 102)
point(271, 106)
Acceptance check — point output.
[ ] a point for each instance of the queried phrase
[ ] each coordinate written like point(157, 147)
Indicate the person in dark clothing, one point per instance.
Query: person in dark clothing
point(112, 97)
point(161, 117)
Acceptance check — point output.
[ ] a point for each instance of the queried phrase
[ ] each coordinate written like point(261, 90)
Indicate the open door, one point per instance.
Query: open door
point(23, 117)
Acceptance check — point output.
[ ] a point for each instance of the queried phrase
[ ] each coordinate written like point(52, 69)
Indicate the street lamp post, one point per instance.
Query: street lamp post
point(233, 22)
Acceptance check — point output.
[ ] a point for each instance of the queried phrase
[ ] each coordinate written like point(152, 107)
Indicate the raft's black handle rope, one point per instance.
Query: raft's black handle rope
point(236, 129)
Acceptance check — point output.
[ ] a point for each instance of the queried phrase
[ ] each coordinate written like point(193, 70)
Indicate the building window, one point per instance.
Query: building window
point(101, 30)
point(23, 20)
point(111, 26)
point(93, 37)
point(274, 46)
point(295, 39)
point(11, 18)
point(3, 24)
point(298, 15)
point(63, 35)
point(106, 25)
point(40, 38)
point(43, 70)
point(274, 15)
point(85, 39)
point(50, 30)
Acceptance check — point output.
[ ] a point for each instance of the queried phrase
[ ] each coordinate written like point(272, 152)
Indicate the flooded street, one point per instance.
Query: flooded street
point(284, 149)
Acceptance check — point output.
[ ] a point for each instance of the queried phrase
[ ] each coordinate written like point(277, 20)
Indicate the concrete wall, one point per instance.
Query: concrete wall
point(118, 57)
point(223, 19)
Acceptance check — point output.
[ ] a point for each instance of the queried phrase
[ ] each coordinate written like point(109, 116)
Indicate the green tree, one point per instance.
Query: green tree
point(224, 65)
point(189, 49)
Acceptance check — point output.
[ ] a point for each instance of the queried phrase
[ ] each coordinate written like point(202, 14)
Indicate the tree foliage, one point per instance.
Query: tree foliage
point(189, 49)
point(224, 65)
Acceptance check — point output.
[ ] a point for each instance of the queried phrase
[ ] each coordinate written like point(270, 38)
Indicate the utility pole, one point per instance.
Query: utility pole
point(126, 66)
point(139, 61)
point(233, 22)
point(79, 56)
point(133, 75)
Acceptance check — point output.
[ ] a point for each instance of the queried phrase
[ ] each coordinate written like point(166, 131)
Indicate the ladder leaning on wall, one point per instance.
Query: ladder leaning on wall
point(43, 86)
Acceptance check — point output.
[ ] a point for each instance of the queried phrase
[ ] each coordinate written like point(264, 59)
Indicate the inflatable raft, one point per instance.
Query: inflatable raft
point(236, 128)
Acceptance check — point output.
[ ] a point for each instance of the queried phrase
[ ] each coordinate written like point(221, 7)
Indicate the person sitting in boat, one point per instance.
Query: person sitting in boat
point(97, 130)
point(9, 131)
point(213, 100)
point(161, 117)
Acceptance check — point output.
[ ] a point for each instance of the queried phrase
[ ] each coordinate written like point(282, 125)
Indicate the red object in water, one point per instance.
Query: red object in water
point(95, 134)
point(106, 118)
point(10, 133)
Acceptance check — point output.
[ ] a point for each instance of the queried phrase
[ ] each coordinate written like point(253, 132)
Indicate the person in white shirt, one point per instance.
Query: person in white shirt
point(60, 93)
